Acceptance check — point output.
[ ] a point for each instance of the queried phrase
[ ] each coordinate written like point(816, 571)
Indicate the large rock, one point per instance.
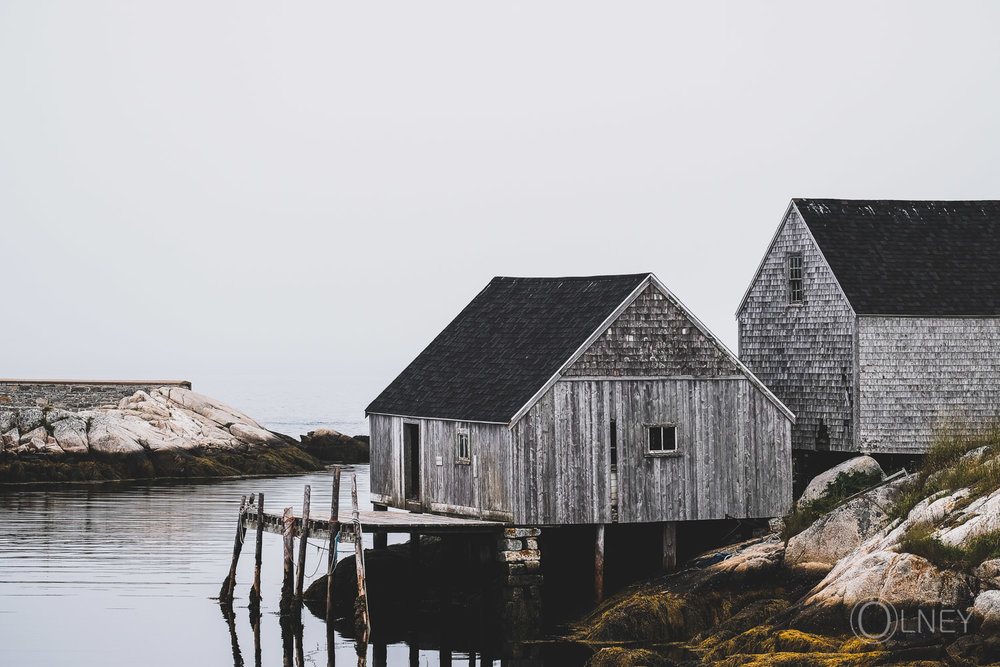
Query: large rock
point(107, 435)
point(903, 580)
point(980, 517)
point(839, 532)
point(8, 420)
point(333, 446)
point(987, 609)
point(71, 435)
point(821, 483)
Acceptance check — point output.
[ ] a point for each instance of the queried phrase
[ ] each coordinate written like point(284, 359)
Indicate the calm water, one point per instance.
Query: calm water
point(126, 575)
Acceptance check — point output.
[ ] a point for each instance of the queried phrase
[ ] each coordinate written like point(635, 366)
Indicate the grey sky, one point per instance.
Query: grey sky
point(305, 193)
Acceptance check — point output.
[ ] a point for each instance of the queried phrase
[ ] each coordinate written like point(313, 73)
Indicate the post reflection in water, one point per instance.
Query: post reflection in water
point(230, 616)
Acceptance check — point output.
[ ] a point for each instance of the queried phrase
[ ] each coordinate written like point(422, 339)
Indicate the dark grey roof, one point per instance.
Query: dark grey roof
point(911, 257)
point(503, 347)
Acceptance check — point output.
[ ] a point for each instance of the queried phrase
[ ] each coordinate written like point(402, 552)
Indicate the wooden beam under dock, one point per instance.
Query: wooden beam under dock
point(388, 522)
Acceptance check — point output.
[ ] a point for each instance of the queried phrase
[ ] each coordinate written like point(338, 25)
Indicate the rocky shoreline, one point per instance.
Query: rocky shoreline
point(170, 432)
point(900, 571)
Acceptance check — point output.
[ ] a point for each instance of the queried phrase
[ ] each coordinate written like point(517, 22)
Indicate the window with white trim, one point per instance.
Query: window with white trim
point(661, 438)
point(463, 446)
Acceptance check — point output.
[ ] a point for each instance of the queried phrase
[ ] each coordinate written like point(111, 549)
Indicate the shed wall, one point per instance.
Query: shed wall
point(733, 458)
point(917, 373)
point(480, 488)
point(805, 354)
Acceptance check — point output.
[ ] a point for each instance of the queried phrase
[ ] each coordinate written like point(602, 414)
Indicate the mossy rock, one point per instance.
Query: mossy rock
point(615, 656)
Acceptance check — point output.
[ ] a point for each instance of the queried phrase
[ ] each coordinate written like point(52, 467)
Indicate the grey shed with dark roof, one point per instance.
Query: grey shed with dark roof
point(878, 321)
point(582, 400)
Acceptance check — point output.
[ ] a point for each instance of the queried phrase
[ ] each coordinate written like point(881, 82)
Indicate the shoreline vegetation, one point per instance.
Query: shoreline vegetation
point(923, 543)
point(168, 433)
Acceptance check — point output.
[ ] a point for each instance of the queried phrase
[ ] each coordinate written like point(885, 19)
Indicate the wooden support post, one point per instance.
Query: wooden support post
point(599, 563)
point(229, 584)
point(380, 538)
point(669, 545)
point(414, 551)
point(359, 559)
point(303, 543)
point(288, 579)
point(334, 529)
point(258, 553)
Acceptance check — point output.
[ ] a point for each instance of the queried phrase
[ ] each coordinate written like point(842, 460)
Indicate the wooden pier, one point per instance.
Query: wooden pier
point(331, 526)
point(376, 522)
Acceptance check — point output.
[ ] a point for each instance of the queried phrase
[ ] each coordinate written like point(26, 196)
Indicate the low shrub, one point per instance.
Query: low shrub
point(920, 540)
point(944, 470)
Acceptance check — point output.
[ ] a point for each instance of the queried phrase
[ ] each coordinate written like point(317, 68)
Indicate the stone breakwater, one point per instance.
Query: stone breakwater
point(74, 394)
point(169, 431)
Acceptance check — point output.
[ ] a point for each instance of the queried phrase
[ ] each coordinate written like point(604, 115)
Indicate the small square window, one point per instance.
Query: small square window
point(661, 438)
point(463, 448)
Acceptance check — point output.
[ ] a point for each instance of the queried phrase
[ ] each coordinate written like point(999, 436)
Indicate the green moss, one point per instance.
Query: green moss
point(280, 460)
point(920, 540)
point(614, 656)
point(842, 488)
point(765, 639)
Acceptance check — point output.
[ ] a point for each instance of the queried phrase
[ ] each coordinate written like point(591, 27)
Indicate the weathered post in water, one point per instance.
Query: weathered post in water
point(599, 563)
point(303, 543)
point(334, 529)
point(229, 584)
point(361, 611)
point(255, 591)
point(288, 581)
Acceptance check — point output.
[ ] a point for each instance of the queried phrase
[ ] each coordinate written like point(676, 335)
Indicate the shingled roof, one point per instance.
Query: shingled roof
point(504, 346)
point(928, 258)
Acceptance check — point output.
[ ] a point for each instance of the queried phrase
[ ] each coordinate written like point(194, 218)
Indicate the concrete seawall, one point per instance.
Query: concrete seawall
point(74, 394)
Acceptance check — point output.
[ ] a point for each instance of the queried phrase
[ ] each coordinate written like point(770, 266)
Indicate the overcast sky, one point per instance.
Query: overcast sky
point(296, 197)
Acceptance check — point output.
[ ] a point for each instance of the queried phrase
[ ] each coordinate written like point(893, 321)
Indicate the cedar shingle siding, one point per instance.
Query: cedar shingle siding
point(803, 353)
point(899, 328)
point(917, 371)
point(652, 338)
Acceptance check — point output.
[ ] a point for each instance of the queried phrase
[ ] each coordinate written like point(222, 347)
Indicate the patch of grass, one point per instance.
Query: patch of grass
point(944, 470)
point(845, 486)
point(920, 540)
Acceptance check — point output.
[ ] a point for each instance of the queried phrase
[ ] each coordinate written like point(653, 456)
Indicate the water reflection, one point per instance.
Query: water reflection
point(137, 566)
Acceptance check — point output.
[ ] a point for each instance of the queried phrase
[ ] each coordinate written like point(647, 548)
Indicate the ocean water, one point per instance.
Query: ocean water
point(126, 575)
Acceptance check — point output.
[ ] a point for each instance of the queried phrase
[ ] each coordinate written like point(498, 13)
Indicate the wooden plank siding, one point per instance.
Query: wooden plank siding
point(805, 353)
point(480, 488)
point(733, 455)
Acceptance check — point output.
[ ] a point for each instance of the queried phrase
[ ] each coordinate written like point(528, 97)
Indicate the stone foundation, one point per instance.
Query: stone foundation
point(520, 561)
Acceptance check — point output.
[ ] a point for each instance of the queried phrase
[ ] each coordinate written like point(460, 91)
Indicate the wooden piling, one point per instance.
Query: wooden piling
point(258, 553)
point(380, 538)
point(599, 563)
point(229, 584)
point(303, 543)
point(288, 579)
point(669, 545)
point(334, 529)
point(359, 558)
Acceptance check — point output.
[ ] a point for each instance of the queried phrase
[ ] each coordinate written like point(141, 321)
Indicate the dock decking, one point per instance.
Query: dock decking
point(382, 522)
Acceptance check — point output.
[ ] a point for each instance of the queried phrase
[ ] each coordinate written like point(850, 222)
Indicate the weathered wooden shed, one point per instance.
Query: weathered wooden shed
point(876, 321)
point(585, 400)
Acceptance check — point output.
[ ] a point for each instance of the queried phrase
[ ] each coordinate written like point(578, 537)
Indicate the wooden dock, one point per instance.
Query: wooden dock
point(380, 522)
